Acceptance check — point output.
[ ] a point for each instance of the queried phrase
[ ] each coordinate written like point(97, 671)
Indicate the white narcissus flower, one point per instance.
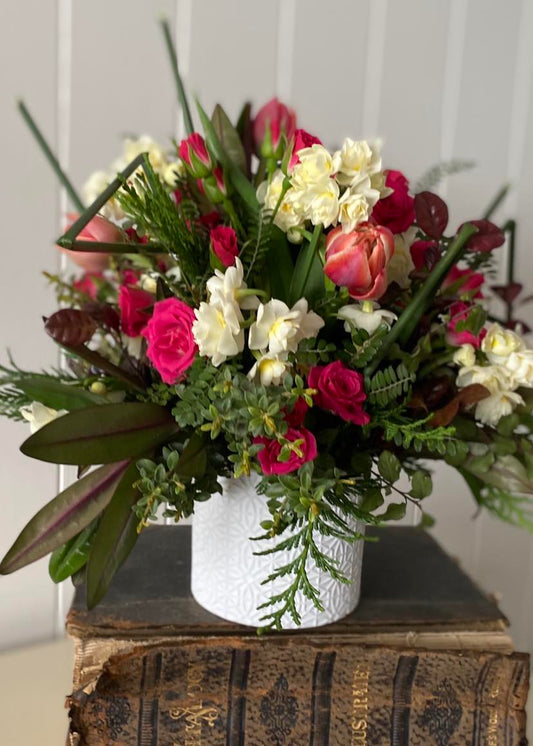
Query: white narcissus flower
point(324, 204)
point(315, 166)
point(493, 377)
point(499, 343)
point(355, 161)
point(38, 415)
point(93, 188)
point(401, 263)
point(465, 355)
point(132, 147)
point(288, 217)
point(279, 328)
point(217, 331)
point(366, 315)
point(353, 209)
point(270, 369)
point(520, 366)
point(148, 283)
point(489, 411)
point(229, 287)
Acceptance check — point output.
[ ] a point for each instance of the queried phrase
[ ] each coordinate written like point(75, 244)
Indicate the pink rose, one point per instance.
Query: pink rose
point(214, 186)
point(418, 251)
point(193, 152)
point(296, 416)
point(171, 345)
point(268, 456)
point(135, 305)
point(302, 139)
point(224, 244)
point(459, 312)
point(273, 127)
point(97, 229)
point(340, 390)
point(88, 283)
point(465, 281)
point(396, 212)
point(358, 260)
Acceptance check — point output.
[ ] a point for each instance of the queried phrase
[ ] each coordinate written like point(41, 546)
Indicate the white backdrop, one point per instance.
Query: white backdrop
point(436, 80)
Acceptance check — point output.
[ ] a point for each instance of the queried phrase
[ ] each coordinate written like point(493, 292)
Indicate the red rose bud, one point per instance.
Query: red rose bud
point(339, 390)
point(135, 307)
point(97, 229)
point(224, 245)
point(424, 254)
point(273, 127)
point(268, 456)
point(88, 283)
point(396, 212)
point(171, 345)
point(193, 152)
point(214, 187)
point(358, 260)
point(302, 139)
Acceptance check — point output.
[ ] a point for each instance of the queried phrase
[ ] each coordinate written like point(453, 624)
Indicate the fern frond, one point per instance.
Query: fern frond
point(387, 385)
point(434, 175)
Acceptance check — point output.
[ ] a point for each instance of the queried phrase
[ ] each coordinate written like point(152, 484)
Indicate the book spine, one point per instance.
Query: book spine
point(292, 693)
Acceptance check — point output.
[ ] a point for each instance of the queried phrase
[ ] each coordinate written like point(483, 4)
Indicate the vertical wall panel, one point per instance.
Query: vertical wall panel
point(412, 80)
point(28, 195)
point(328, 69)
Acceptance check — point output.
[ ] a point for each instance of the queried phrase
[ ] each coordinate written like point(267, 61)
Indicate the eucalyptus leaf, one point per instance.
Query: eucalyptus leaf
point(389, 466)
point(102, 434)
point(421, 485)
point(193, 459)
point(115, 537)
point(64, 517)
point(393, 512)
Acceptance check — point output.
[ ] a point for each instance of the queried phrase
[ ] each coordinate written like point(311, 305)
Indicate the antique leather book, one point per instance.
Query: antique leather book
point(428, 638)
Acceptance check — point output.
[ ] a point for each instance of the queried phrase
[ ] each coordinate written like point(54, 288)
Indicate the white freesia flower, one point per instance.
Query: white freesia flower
point(401, 263)
point(489, 411)
point(520, 366)
point(353, 209)
point(270, 369)
point(217, 331)
point(38, 415)
point(499, 343)
point(315, 166)
point(324, 204)
point(355, 161)
point(465, 355)
point(288, 216)
point(493, 377)
point(366, 315)
point(280, 329)
point(229, 287)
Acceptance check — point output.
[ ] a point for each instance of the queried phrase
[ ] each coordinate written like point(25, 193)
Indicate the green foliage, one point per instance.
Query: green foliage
point(364, 346)
point(389, 466)
point(69, 559)
point(13, 396)
point(387, 385)
point(512, 508)
point(434, 175)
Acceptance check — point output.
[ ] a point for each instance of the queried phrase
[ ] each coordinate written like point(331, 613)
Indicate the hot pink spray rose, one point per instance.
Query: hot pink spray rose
point(224, 244)
point(465, 280)
point(268, 456)
point(193, 152)
point(135, 305)
point(98, 229)
point(171, 345)
point(273, 121)
point(459, 312)
point(88, 283)
point(396, 212)
point(340, 390)
point(358, 260)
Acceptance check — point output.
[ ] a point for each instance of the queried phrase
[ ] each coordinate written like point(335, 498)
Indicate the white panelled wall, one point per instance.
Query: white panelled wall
point(435, 80)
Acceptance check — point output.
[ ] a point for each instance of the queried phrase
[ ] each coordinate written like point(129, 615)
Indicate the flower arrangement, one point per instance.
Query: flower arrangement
point(253, 302)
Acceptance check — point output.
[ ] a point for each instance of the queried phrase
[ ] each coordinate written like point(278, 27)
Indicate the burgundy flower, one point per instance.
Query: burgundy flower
point(339, 390)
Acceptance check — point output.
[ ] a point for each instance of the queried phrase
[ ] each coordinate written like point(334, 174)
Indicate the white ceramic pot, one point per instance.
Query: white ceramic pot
point(226, 575)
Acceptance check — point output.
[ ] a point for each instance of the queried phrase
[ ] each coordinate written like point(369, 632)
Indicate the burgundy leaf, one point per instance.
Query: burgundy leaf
point(488, 237)
point(431, 214)
point(508, 293)
point(103, 314)
point(70, 327)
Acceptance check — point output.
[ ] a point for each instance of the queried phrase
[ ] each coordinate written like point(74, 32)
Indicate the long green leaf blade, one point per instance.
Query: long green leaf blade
point(72, 556)
point(101, 435)
point(229, 138)
point(63, 517)
point(115, 537)
point(238, 179)
point(58, 395)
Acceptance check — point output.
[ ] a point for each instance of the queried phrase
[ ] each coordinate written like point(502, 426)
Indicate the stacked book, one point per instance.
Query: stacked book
point(425, 659)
